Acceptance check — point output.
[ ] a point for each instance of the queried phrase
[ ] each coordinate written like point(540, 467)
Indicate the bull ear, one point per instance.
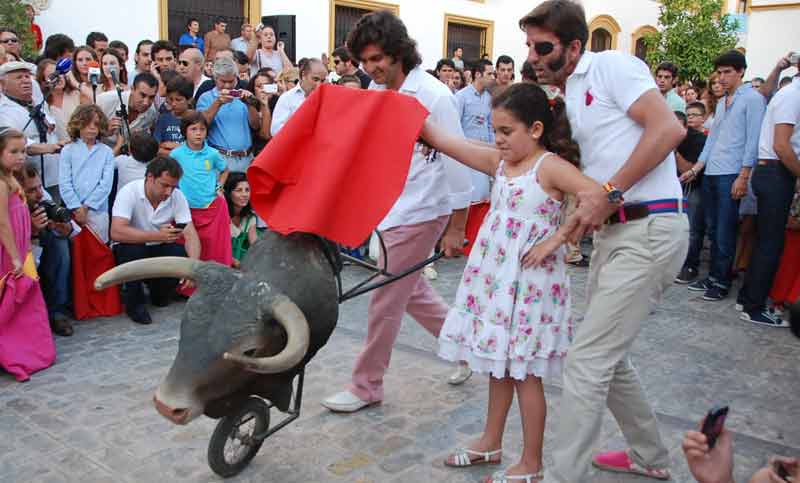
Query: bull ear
point(291, 318)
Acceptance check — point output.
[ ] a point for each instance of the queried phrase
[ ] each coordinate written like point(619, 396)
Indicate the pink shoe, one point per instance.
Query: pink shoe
point(620, 462)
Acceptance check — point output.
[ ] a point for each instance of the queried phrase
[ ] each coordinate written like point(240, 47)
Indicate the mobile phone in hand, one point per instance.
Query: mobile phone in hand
point(780, 470)
point(270, 88)
point(235, 93)
point(712, 426)
point(180, 226)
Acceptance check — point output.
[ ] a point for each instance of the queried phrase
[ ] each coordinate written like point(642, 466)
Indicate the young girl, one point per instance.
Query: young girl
point(86, 170)
point(26, 343)
point(204, 174)
point(243, 219)
point(511, 318)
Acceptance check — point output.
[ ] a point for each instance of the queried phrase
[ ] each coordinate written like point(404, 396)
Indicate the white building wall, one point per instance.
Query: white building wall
point(770, 35)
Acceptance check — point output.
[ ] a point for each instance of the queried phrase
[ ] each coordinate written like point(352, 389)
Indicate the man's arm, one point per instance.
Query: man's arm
point(40, 148)
point(770, 85)
point(123, 232)
point(754, 116)
point(783, 147)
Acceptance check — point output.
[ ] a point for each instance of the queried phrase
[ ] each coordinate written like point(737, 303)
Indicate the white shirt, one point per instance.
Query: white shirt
point(436, 184)
point(598, 95)
point(203, 78)
point(133, 205)
point(128, 169)
point(108, 102)
point(287, 104)
point(784, 108)
point(15, 116)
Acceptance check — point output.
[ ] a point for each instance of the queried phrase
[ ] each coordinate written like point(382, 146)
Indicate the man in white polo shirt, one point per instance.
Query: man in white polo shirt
point(433, 204)
point(627, 134)
point(148, 218)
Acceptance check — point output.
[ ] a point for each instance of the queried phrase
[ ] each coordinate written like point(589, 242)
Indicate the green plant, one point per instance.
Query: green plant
point(691, 34)
point(13, 15)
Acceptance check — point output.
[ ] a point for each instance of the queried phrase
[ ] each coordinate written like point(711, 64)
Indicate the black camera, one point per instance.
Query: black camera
point(55, 212)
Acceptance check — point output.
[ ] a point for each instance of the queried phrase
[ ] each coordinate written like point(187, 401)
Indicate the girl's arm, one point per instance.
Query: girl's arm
point(482, 158)
point(252, 234)
point(7, 232)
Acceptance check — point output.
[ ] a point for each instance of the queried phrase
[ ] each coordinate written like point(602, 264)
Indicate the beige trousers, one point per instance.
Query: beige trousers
point(632, 265)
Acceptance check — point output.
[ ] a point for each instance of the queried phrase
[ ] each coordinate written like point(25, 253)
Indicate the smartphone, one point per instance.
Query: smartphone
point(235, 93)
point(180, 226)
point(270, 88)
point(780, 470)
point(794, 58)
point(712, 426)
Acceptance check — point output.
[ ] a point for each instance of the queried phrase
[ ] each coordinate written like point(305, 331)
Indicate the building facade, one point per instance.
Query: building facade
point(312, 27)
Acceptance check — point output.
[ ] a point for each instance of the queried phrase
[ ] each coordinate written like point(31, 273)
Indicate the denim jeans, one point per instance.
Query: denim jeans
point(722, 222)
point(238, 164)
point(161, 289)
point(54, 272)
point(774, 189)
point(697, 227)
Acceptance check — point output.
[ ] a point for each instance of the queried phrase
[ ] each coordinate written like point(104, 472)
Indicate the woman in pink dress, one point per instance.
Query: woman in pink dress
point(26, 343)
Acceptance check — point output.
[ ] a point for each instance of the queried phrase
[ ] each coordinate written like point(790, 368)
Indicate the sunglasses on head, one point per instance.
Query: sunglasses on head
point(543, 48)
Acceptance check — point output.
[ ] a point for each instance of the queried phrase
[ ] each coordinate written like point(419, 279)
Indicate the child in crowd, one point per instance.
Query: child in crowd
point(180, 92)
point(86, 170)
point(132, 167)
point(204, 174)
point(511, 317)
point(350, 81)
point(243, 219)
point(26, 344)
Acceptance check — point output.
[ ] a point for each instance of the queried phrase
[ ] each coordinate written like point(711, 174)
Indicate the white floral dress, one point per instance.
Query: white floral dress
point(506, 320)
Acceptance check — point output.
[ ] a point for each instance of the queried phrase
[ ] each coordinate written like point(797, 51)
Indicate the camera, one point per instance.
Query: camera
point(235, 93)
point(55, 212)
point(794, 58)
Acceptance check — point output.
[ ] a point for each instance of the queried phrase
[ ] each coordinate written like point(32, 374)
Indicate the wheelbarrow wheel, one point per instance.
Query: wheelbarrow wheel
point(233, 443)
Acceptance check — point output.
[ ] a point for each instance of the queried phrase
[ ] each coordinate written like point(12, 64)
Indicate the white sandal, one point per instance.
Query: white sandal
point(461, 458)
point(502, 477)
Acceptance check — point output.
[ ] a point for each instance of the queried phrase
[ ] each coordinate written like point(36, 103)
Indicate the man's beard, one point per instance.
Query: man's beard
point(558, 64)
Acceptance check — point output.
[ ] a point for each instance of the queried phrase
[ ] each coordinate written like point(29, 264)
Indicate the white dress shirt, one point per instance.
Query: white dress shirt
point(287, 104)
point(436, 184)
point(784, 108)
point(598, 95)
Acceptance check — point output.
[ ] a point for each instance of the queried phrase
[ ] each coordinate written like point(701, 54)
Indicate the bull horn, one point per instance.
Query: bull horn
point(298, 335)
point(158, 267)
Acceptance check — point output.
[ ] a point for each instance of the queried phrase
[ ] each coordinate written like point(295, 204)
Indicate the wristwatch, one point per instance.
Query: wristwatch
point(614, 194)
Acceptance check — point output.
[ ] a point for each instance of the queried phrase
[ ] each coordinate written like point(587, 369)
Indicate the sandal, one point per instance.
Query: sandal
point(461, 458)
point(621, 462)
point(502, 477)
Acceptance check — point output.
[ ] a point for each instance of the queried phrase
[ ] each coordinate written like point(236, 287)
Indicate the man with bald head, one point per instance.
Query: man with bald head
point(190, 66)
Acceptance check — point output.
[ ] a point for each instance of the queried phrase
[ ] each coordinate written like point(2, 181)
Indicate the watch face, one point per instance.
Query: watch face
point(615, 196)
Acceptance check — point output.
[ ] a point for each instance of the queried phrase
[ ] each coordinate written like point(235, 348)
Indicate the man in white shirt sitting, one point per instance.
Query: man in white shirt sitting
point(312, 75)
point(148, 219)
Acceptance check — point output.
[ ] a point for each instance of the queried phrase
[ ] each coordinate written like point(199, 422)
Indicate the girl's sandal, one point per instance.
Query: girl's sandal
point(502, 477)
point(463, 457)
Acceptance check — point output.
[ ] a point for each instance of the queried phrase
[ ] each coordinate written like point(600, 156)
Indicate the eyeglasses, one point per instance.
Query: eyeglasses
point(543, 48)
point(11, 40)
point(184, 63)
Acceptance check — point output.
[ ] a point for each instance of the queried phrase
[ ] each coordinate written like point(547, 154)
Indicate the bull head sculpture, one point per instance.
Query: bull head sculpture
point(243, 331)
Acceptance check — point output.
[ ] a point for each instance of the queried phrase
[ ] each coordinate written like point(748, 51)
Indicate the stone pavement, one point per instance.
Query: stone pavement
point(90, 418)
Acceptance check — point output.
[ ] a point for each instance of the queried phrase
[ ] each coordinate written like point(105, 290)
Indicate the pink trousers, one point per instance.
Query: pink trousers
point(405, 246)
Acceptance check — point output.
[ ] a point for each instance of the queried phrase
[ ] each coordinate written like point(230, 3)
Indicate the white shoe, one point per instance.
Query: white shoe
point(430, 273)
point(460, 376)
point(345, 402)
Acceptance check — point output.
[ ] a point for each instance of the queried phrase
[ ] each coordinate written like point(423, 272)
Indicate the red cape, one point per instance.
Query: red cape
point(90, 259)
point(339, 164)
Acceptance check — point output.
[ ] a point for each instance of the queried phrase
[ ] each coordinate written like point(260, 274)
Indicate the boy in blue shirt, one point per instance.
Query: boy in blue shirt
point(168, 127)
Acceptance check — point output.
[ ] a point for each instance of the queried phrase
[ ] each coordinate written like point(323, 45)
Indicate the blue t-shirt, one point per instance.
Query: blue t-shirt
point(201, 171)
point(198, 41)
point(168, 128)
point(230, 129)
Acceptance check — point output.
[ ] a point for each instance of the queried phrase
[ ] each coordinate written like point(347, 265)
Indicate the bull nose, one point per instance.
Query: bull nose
point(177, 415)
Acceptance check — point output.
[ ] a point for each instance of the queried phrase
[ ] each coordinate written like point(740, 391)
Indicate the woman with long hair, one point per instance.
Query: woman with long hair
point(62, 99)
point(270, 52)
point(78, 77)
point(711, 97)
point(111, 59)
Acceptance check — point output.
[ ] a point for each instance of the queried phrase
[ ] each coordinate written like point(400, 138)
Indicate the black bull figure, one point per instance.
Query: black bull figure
point(247, 331)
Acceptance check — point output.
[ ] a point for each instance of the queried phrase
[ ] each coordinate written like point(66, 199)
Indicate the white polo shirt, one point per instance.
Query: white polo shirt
point(598, 95)
point(784, 108)
point(436, 184)
point(287, 104)
point(133, 205)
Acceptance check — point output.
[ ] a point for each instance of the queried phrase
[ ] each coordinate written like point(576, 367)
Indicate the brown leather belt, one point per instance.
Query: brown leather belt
point(769, 162)
point(228, 152)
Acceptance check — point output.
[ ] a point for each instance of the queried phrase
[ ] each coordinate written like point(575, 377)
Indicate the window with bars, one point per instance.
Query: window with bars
point(471, 38)
point(601, 40)
point(205, 11)
point(344, 21)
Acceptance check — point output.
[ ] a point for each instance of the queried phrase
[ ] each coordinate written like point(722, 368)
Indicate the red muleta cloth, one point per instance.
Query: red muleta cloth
point(338, 165)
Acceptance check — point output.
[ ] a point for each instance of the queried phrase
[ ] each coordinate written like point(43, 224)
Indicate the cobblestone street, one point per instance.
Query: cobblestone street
point(90, 417)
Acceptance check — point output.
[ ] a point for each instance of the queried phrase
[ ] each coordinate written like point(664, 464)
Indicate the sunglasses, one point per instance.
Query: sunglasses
point(11, 40)
point(543, 48)
point(184, 63)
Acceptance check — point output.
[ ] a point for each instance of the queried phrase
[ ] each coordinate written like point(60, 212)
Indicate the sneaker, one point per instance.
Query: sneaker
point(460, 376)
point(700, 285)
point(738, 307)
point(345, 402)
point(765, 317)
point(620, 462)
point(715, 293)
point(687, 276)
